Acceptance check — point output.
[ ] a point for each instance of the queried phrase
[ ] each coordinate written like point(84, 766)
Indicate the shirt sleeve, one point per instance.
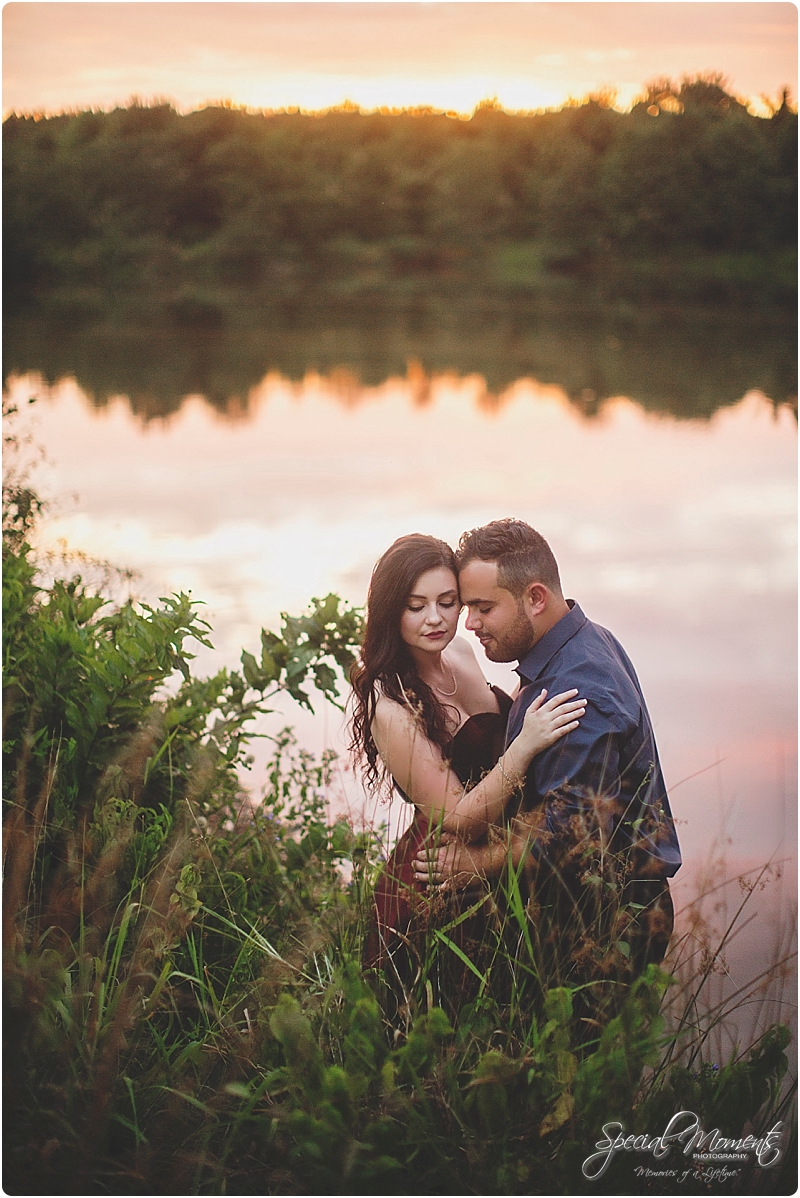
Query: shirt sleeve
point(602, 782)
point(586, 758)
point(579, 776)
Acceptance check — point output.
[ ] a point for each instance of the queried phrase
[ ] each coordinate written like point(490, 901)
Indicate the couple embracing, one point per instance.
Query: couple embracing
point(560, 783)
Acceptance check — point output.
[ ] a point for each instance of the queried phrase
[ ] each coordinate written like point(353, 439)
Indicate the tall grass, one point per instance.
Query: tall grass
point(204, 1026)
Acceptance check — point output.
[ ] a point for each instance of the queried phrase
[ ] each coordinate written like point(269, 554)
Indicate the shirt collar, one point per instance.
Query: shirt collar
point(535, 660)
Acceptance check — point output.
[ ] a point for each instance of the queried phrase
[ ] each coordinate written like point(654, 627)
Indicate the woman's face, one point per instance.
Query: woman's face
point(430, 616)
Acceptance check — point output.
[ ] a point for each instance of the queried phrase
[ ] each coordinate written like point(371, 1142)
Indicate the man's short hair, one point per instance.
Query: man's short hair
point(522, 555)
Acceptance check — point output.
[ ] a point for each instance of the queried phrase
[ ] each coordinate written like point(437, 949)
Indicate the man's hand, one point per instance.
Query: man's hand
point(454, 863)
point(450, 863)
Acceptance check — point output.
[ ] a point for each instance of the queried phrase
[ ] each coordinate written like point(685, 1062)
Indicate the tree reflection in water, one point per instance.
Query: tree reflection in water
point(687, 363)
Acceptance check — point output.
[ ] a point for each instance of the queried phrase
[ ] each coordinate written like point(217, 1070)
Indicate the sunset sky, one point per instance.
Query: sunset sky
point(448, 55)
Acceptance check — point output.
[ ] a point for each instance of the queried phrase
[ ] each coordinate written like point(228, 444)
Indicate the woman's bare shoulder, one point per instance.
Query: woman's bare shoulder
point(400, 737)
point(389, 711)
point(463, 658)
point(462, 651)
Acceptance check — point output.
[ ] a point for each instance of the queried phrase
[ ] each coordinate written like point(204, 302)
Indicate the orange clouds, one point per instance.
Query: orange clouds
point(449, 55)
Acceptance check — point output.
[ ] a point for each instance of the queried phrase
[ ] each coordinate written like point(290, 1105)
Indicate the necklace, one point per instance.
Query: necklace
point(448, 694)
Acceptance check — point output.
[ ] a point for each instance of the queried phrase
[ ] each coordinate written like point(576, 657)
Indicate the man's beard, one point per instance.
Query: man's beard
point(515, 641)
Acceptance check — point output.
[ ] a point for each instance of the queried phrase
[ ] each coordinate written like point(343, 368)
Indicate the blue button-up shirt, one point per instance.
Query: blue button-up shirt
point(610, 761)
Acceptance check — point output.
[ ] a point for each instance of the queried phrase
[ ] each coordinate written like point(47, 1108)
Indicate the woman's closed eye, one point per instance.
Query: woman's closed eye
point(446, 604)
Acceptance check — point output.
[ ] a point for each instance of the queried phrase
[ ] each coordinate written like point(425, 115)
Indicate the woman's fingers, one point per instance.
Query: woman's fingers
point(562, 715)
point(559, 732)
point(566, 711)
point(550, 719)
point(560, 704)
point(569, 713)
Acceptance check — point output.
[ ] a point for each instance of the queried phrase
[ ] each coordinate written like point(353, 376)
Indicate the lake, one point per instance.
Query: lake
point(661, 466)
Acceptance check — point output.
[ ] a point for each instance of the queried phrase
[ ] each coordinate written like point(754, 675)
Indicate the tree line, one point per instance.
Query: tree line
point(688, 185)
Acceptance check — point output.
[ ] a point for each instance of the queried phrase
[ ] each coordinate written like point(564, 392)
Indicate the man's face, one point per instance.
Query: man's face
point(495, 616)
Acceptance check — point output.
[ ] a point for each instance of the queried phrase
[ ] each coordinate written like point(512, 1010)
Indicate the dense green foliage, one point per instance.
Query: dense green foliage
point(89, 734)
point(687, 191)
point(184, 1007)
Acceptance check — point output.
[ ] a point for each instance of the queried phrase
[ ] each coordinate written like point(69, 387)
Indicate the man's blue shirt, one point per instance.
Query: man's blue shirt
point(611, 758)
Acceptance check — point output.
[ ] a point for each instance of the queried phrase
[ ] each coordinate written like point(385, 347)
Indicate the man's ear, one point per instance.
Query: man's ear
point(535, 598)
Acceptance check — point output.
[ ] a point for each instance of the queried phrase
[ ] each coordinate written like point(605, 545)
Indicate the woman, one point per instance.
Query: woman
point(425, 716)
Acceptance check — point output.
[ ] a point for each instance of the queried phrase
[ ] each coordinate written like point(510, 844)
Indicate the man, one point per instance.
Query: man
point(594, 813)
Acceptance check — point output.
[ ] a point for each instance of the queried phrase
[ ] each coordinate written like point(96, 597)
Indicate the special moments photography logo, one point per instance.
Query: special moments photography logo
point(685, 1132)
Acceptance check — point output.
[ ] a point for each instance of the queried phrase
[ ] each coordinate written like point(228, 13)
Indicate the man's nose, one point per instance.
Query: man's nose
point(472, 621)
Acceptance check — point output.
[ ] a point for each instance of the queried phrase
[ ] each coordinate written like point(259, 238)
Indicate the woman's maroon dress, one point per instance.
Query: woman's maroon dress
point(403, 913)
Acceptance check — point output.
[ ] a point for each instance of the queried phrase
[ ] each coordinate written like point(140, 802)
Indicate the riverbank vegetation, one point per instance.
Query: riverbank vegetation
point(185, 219)
point(185, 1011)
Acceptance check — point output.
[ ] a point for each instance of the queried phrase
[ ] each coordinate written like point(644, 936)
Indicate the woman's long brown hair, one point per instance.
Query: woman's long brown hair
point(385, 658)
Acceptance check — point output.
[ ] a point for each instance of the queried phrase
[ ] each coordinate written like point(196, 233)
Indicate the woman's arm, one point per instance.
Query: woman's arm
point(422, 773)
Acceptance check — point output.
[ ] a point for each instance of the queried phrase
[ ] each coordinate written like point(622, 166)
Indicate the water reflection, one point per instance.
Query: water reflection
point(684, 363)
